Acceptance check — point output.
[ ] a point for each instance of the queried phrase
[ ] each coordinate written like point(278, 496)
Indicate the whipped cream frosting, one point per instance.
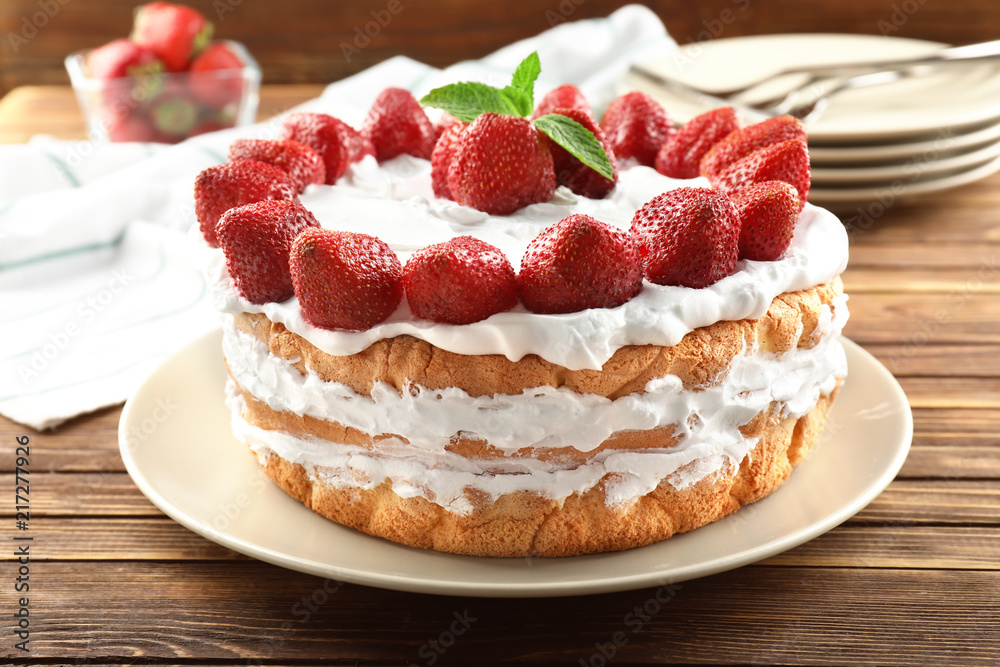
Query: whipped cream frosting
point(707, 421)
point(394, 201)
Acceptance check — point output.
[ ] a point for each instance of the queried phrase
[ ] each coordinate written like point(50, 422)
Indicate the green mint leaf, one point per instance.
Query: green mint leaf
point(525, 75)
point(466, 101)
point(520, 100)
point(578, 140)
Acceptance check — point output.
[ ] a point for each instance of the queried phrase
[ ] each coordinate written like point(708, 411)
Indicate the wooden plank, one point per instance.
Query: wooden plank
point(899, 546)
point(83, 494)
point(950, 392)
point(955, 283)
point(85, 444)
point(902, 256)
point(938, 360)
point(244, 610)
point(914, 320)
point(951, 422)
point(954, 444)
point(952, 462)
point(899, 543)
point(118, 539)
point(914, 502)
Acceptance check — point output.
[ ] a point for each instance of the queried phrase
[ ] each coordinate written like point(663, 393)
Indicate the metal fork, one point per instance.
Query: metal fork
point(798, 103)
point(809, 110)
point(954, 54)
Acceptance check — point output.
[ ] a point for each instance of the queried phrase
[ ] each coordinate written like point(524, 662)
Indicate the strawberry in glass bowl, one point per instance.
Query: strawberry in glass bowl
point(166, 82)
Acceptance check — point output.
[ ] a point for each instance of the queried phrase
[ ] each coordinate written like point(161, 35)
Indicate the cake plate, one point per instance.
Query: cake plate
point(176, 441)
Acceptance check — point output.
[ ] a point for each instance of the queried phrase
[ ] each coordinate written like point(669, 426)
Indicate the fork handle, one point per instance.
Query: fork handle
point(970, 52)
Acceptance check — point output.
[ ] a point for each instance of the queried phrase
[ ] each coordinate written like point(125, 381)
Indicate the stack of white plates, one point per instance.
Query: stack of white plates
point(878, 144)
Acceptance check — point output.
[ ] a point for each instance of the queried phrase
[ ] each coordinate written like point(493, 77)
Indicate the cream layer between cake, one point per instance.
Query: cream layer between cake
point(706, 419)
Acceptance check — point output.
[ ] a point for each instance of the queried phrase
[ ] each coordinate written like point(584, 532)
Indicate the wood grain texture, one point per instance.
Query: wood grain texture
point(892, 546)
point(957, 283)
point(84, 494)
point(880, 254)
point(912, 579)
point(920, 319)
point(896, 543)
point(88, 443)
point(311, 41)
point(243, 610)
point(967, 361)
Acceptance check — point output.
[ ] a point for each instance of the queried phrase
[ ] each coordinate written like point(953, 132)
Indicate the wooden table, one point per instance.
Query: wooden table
point(914, 579)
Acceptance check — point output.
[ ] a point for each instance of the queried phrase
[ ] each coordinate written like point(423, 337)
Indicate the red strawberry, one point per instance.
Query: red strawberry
point(501, 165)
point(302, 164)
point(220, 188)
point(636, 127)
point(787, 161)
point(208, 84)
point(767, 212)
point(345, 280)
point(563, 97)
point(122, 57)
point(737, 145)
point(681, 155)
point(358, 145)
point(337, 143)
point(441, 158)
point(572, 173)
point(132, 126)
point(397, 124)
point(444, 122)
point(688, 237)
point(175, 33)
point(461, 281)
point(579, 263)
point(256, 239)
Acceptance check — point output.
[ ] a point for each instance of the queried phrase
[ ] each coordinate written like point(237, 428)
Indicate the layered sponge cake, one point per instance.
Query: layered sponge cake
point(512, 337)
point(539, 434)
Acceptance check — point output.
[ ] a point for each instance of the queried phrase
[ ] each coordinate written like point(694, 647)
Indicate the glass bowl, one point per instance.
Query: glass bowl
point(166, 107)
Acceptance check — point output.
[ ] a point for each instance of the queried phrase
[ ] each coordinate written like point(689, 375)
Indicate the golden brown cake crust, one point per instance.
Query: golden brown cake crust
point(697, 359)
point(525, 524)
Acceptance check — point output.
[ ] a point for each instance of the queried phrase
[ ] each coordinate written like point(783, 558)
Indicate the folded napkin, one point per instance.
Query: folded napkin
point(97, 286)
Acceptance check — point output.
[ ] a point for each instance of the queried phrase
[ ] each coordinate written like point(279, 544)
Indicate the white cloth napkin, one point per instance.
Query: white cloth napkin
point(97, 286)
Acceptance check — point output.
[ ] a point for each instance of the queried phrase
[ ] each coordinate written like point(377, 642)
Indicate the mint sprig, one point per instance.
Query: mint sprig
point(578, 140)
point(521, 91)
point(468, 100)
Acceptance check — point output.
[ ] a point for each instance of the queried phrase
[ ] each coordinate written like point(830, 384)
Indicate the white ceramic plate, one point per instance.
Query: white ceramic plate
point(899, 189)
point(943, 144)
point(917, 168)
point(952, 98)
point(177, 445)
